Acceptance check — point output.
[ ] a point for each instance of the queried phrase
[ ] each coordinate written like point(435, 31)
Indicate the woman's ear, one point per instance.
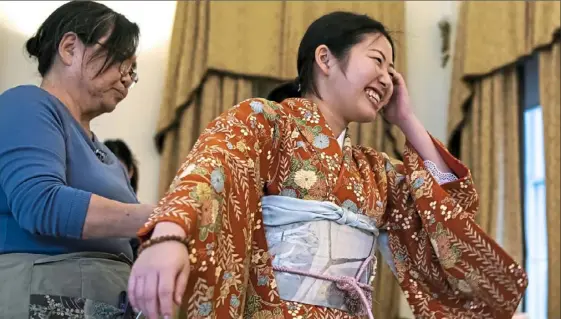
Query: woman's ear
point(323, 58)
point(67, 48)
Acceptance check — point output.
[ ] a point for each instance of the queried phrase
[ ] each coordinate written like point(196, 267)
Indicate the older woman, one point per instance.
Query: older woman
point(67, 209)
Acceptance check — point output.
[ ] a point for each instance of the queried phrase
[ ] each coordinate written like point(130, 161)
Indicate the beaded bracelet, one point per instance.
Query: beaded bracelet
point(161, 239)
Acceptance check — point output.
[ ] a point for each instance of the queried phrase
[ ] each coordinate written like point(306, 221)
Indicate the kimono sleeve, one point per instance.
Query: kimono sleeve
point(215, 198)
point(444, 262)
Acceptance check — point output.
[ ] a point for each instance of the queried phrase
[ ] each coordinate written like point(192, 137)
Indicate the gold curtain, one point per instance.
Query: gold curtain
point(549, 79)
point(483, 117)
point(223, 52)
point(492, 35)
point(491, 149)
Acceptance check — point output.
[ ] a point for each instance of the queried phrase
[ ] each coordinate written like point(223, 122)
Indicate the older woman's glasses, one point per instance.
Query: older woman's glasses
point(129, 68)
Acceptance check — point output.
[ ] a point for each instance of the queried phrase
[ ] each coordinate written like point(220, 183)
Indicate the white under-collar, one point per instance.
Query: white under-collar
point(341, 138)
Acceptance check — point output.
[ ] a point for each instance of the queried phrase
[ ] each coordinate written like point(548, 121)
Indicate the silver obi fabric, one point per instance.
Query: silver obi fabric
point(318, 238)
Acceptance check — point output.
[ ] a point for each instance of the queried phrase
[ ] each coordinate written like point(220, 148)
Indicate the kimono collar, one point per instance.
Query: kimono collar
point(313, 126)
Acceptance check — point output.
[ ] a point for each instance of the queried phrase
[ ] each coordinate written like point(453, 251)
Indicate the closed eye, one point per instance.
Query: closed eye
point(378, 60)
point(392, 72)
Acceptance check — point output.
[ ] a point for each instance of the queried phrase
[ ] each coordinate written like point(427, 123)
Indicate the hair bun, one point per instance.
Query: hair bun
point(32, 46)
point(284, 91)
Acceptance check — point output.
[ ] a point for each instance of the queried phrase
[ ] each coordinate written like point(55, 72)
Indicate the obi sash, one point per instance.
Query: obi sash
point(323, 254)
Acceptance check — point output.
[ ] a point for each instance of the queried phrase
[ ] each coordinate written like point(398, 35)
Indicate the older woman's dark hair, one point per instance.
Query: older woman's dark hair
point(339, 31)
point(90, 21)
point(123, 153)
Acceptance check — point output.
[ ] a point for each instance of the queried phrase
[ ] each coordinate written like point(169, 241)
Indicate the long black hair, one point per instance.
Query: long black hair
point(339, 31)
point(91, 21)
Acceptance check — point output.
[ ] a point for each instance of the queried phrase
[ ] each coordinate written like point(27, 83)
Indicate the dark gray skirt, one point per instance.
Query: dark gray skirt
point(77, 285)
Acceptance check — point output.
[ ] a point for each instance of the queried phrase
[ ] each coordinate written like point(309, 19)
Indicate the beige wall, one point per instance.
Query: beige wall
point(135, 118)
point(428, 82)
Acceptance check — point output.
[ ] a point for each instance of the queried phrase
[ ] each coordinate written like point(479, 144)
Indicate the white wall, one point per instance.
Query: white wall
point(427, 81)
point(135, 118)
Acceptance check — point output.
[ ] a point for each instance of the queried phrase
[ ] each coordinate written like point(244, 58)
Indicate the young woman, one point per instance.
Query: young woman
point(274, 214)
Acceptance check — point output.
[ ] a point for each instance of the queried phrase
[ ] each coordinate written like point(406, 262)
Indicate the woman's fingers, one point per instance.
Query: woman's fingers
point(131, 291)
point(158, 278)
point(150, 300)
point(166, 286)
point(398, 79)
point(139, 293)
point(181, 284)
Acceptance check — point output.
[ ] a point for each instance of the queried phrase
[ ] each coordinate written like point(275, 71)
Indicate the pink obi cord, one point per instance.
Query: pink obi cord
point(358, 296)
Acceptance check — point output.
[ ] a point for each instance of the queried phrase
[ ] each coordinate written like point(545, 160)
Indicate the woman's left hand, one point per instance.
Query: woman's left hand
point(398, 111)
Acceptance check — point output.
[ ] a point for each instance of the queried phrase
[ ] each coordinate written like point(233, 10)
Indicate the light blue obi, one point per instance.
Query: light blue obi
point(322, 239)
point(284, 210)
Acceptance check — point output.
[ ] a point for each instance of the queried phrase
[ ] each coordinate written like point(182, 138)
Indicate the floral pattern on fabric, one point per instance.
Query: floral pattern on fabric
point(60, 307)
point(446, 266)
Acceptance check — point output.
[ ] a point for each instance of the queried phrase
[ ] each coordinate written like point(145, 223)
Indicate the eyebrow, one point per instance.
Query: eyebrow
point(383, 55)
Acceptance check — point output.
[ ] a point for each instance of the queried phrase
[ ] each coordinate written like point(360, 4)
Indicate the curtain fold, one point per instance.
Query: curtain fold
point(490, 148)
point(186, 64)
point(490, 36)
point(550, 81)
point(544, 22)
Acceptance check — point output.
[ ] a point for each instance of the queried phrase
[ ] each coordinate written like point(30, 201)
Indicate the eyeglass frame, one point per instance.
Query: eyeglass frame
point(126, 69)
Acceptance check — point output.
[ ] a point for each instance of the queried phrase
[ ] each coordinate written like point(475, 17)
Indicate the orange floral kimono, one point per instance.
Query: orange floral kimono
point(445, 264)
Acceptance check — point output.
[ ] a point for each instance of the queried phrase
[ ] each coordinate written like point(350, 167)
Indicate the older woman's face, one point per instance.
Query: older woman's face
point(111, 85)
point(100, 88)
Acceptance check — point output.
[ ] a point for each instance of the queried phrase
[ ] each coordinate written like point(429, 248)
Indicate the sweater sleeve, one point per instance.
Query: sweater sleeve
point(33, 166)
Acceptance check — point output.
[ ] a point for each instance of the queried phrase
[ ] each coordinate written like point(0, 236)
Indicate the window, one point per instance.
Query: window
point(535, 230)
point(535, 214)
